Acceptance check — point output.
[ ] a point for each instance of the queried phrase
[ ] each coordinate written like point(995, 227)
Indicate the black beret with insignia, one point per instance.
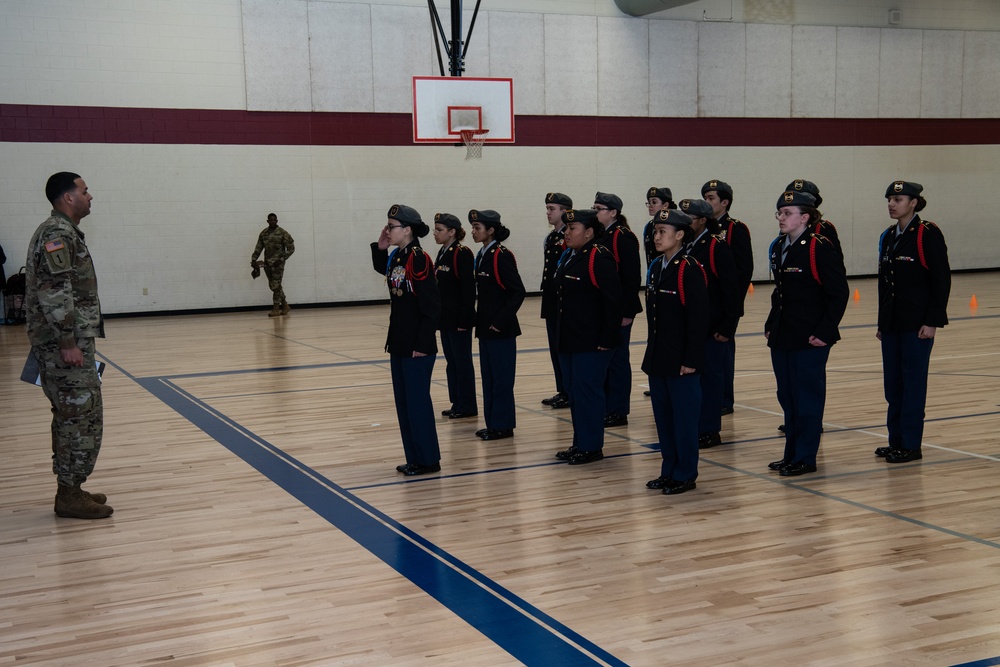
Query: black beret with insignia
point(801, 185)
point(721, 188)
point(907, 188)
point(663, 194)
point(672, 217)
point(584, 216)
point(697, 208)
point(795, 198)
point(487, 217)
point(448, 220)
point(404, 215)
point(559, 198)
point(609, 200)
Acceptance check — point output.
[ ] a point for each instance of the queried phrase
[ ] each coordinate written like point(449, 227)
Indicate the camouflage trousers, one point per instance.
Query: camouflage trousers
point(77, 411)
point(275, 272)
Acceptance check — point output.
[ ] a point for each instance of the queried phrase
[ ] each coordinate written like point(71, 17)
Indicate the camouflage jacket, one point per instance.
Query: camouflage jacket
point(276, 243)
point(61, 302)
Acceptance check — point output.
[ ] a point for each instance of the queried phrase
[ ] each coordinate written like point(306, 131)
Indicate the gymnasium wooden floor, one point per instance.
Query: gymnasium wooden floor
point(259, 521)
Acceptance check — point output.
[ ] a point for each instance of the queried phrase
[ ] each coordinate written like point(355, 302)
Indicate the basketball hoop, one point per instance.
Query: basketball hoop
point(473, 140)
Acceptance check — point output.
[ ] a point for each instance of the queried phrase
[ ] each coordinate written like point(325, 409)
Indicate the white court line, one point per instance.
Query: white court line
point(923, 443)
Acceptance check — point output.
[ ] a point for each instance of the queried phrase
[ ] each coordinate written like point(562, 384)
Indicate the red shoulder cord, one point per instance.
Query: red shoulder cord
point(920, 244)
point(729, 231)
point(496, 265)
point(614, 245)
point(454, 262)
point(410, 274)
point(680, 282)
point(812, 260)
point(711, 256)
point(590, 266)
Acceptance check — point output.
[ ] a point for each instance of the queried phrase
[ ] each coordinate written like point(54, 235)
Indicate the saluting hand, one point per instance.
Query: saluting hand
point(383, 239)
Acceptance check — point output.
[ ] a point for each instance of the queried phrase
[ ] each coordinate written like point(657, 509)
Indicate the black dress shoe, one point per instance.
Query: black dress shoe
point(462, 415)
point(676, 487)
point(708, 440)
point(796, 469)
point(417, 469)
point(498, 434)
point(566, 454)
point(402, 468)
point(646, 393)
point(551, 399)
point(727, 411)
point(481, 432)
point(558, 402)
point(781, 427)
point(446, 413)
point(579, 458)
point(613, 420)
point(658, 483)
point(882, 451)
point(778, 465)
point(898, 455)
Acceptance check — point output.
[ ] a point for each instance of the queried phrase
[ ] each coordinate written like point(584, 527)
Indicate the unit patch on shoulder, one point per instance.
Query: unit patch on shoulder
point(57, 256)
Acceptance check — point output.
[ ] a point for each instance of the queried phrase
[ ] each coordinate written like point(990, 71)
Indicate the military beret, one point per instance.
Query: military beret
point(609, 200)
point(697, 208)
point(487, 218)
point(723, 189)
point(800, 185)
point(559, 198)
point(448, 220)
point(672, 217)
point(904, 188)
point(584, 216)
point(794, 198)
point(663, 194)
point(404, 215)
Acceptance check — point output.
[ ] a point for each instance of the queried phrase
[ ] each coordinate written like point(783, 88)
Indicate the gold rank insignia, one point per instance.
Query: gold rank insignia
point(570, 215)
point(789, 196)
point(474, 215)
point(798, 184)
point(713, 185)
point(897, 186)
point(394, 210)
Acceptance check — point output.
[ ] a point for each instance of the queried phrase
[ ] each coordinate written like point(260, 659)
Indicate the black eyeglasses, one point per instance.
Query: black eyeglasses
point(391, 227)
point(601, 208)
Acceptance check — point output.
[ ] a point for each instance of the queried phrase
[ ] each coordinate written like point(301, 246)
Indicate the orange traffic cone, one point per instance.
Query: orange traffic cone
point(857, 295)
point(973, 303)
point(750, 289)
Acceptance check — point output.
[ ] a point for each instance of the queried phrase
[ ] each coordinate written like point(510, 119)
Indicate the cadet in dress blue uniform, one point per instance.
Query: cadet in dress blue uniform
point(822, 227)
point(914, 282)
point(415, 307)
point(716, 257)
point(677, 313)
point(556, 203)
point(456, 279)
point(500, 295)
point(657, 199)
point(589, 329)
point(621, 242)
point(808, 302)
point(734, 232)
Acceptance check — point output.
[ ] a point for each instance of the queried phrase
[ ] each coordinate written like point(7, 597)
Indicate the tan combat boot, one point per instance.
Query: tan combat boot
point(98, 498)
point(285, 308)
point(275, 311)
point(75, 503)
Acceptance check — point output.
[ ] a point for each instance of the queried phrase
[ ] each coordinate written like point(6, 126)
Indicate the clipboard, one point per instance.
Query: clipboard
point(31, 373)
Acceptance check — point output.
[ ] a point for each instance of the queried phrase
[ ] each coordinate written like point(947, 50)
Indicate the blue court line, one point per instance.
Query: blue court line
point(988, 662)
point(528, 634)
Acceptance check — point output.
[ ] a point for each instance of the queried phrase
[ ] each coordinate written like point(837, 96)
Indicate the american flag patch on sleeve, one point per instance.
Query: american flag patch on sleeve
point(52, 246)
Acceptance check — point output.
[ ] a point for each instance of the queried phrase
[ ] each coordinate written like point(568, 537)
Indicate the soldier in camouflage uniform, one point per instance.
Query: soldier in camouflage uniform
point(277, 245)
point(64, 317)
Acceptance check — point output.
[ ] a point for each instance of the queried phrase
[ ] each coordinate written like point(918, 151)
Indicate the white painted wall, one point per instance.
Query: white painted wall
point(181, 221)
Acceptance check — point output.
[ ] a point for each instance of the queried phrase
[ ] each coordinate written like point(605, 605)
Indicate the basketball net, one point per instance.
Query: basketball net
point(474, 140)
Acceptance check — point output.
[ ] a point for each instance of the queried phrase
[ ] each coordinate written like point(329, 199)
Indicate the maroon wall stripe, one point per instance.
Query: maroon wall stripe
point(121, 125)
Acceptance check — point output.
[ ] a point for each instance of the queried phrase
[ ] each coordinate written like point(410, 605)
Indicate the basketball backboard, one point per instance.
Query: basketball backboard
point(443, 106)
